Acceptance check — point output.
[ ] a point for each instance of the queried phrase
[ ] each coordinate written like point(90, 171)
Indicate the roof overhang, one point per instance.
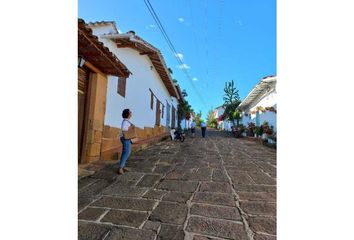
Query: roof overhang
point(130, 40)
point(93, 51)
point(266, 85)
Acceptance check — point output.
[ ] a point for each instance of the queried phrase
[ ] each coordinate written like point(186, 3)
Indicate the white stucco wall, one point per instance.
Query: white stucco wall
point(137, 95)
point(269, 100)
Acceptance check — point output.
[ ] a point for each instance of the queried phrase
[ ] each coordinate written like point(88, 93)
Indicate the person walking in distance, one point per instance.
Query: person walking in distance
point(193, 128)
point(126, 143)
point(203, 127)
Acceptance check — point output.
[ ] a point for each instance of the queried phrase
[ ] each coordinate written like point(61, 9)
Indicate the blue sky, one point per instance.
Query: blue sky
point(220, 40)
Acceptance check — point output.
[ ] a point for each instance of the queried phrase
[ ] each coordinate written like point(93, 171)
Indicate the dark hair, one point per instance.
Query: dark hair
point(125, 113)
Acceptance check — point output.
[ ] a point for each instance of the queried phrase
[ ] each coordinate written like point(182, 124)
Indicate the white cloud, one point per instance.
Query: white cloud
point(151, 26)
point(195, 79)
point(181, 19)
point(179, 55)
point(183, 66)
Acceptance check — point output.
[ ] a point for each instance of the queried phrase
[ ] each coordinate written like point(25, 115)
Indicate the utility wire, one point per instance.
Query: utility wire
point(171, 46)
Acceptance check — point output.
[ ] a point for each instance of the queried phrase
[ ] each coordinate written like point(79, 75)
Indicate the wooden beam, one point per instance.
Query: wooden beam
point(125, 45)
point(147, 53)
point(93, 68)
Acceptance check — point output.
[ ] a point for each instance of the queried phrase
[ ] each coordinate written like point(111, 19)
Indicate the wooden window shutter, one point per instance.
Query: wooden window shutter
point(163, 110)
point(152, 101)
point(121, 86)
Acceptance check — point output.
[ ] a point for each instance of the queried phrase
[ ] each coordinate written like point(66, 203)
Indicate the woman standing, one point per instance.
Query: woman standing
point(126, 143)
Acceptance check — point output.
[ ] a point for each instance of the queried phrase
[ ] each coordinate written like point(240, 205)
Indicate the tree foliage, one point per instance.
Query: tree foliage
point(211, 120)
point(231, 102)
point(231, 93)
point(198, 118)
point(183, 111)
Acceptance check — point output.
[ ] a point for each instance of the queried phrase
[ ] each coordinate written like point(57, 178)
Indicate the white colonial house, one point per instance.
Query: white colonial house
point(225, 124)
point(148, 92)
point(261, 103)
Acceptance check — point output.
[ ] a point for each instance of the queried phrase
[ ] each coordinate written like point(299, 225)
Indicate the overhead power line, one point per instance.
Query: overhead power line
point(172, 48)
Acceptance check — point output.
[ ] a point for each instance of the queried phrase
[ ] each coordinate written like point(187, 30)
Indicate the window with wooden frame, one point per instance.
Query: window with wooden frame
point(121, 86)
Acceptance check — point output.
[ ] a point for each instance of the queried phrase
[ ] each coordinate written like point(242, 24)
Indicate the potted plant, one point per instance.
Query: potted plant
point(258, 131)
point(251, 129)
point(267, 130)
point(242, 130)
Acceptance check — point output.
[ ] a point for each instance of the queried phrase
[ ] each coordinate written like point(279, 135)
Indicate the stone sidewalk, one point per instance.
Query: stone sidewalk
point(217, 187)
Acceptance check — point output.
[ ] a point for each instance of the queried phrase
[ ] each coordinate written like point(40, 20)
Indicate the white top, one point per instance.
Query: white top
point(193, 125)
point(172, 133)
point(203, 124)
point(125, 126)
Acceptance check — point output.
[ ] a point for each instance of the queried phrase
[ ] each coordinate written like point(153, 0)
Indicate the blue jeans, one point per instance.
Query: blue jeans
point(126, 143)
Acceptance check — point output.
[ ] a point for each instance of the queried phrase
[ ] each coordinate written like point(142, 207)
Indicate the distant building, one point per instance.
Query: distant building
point(222, 124)
point(261, 103)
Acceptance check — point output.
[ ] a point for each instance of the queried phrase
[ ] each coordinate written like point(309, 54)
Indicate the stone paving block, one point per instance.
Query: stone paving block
point(215, 187)
point(257, 196)
point(263, 225)
point(259, 208)
point(129, 178)
point(219, 176)
point(239, 177)
point(198, 237)
point(264, 237)
point(162, 169)
point(124, 233)
point(149, 180)
point(230, 213)
point(267, 167)
point(174, 175)
point(124, 217)
point(170, 232)
point(178, 186)
point(153, 226)
point(84, 201)
point(84, 182)
point(202, 174)
point(94, 189)
point(154, 194)
point(92, 214)
point(103, 174)
point(177, 197)
point(124, 191)
point(217, 228)
point(125, 203)
point(262, 178)
point(167, 212)
point(254, 188)
point(215, 198)
point(92, 231)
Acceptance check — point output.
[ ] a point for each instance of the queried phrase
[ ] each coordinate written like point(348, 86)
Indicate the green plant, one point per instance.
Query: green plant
point(259, 130)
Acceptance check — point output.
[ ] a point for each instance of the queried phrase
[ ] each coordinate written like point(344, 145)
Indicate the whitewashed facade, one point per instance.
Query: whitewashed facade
point(145, 86)
point(225, 124)
point(261, 103)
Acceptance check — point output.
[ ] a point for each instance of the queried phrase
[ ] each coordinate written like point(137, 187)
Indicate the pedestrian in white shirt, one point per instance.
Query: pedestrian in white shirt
point(126, 143)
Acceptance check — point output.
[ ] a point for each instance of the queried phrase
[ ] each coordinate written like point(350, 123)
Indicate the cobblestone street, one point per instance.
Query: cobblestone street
point(217, 187)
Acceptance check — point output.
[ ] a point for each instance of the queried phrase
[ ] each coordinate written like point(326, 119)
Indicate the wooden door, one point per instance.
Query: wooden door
point(158, 113)
point(82, 101)
point(173, 117)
